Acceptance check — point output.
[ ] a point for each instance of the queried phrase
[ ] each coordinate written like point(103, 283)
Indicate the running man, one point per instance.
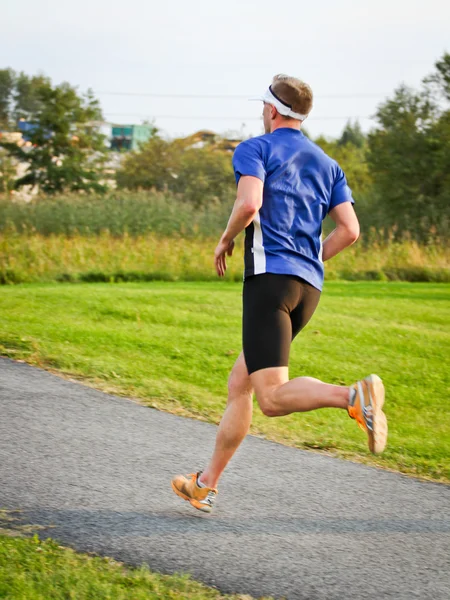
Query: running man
point(286, 185)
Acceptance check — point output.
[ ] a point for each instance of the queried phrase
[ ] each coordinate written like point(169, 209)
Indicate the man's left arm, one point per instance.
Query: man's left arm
point(248, 202)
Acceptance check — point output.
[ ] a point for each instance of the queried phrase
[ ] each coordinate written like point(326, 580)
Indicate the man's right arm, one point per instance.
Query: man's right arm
point(346, 232)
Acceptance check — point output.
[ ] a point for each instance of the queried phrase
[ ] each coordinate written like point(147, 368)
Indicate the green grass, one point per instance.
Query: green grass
point(172, 345)
point(31, 569)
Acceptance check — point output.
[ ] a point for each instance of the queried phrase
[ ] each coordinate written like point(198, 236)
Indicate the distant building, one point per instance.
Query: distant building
point(12, 137)
point(129, 137)
point(209, 139)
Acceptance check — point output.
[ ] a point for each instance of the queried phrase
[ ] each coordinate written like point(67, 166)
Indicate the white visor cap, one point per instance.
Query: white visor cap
point(284, 109)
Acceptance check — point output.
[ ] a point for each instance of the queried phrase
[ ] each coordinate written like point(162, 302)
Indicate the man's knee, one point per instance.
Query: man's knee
point(267, 404)
point(238, 387)
point(266, 383)
point(239, 384)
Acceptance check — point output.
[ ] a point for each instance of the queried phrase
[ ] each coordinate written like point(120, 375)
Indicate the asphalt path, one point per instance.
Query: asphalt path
point(288, 523)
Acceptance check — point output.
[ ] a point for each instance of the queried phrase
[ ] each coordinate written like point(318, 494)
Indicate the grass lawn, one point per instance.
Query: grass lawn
point(42, 570)
point(171, 345)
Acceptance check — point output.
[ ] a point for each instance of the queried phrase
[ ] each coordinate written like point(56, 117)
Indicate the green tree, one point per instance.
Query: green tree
point(19, 96)
point(440, 79)
point(27, 96)
point(205, 176)
point(67, 150)
point(352, 159)
point(199, 175)
point(409, 157)
point(155, 166)
point(7, 81)
point(352, 134)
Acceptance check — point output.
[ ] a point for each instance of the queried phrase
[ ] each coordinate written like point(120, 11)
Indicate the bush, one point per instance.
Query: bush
point(418, 274)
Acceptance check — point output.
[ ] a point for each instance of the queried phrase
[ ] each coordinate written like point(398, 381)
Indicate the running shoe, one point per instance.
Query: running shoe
point(202, 498)
point(366, 407)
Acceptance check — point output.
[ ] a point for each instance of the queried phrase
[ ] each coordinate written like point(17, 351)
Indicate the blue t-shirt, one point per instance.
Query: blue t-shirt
point(301, 185)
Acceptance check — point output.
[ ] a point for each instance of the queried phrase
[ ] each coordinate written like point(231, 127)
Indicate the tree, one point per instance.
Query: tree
point(352, 134)
point(7, 80)
point(409, 157)
point(440, 79)
point(153, 166)
point(67, 150)
point(352, 159)
point(205, 176)
point(27, 96)
point(200, 175)
point(19, 97)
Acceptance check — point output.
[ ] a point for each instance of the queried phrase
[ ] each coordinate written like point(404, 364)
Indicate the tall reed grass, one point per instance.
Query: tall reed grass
point(121, 212)
point(107, 257)
point(151, 235)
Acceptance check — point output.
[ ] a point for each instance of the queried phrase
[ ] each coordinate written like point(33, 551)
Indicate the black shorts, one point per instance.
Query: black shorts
point(275, 309)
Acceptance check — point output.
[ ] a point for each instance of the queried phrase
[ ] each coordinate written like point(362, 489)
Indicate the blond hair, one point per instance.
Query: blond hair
point(293, 92)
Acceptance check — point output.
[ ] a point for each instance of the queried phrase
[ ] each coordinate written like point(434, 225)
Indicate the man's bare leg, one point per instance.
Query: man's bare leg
point(277, 396)
point(234, 425)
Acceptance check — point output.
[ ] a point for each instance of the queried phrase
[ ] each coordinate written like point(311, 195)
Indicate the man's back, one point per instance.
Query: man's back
point(301, 185)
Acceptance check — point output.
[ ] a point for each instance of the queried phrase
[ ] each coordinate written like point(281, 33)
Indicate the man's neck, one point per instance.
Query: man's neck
point(287, 124)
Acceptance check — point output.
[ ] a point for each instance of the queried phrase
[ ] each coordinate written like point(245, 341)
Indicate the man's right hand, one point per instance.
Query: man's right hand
point(224, 248)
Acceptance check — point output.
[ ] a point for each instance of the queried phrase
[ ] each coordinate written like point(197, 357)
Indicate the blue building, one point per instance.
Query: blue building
point(130, 137)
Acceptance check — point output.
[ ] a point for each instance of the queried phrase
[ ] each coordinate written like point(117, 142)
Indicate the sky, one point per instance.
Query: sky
point(188, 66)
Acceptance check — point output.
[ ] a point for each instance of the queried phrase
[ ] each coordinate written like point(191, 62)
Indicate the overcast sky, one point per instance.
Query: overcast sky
point(352, 53)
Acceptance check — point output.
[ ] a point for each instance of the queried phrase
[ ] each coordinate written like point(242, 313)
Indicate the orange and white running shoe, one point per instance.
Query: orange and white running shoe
point(202, 498)
point(366, 407)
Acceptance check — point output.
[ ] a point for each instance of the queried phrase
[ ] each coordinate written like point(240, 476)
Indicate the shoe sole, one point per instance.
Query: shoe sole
point(191, 501)
point(377, 437)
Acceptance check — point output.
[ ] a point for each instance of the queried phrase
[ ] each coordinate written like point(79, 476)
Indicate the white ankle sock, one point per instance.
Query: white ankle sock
point(199, 483)
point(351, 395)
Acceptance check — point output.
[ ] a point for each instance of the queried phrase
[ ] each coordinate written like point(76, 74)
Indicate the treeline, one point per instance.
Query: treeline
point(399, 172)
point(62, 146)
